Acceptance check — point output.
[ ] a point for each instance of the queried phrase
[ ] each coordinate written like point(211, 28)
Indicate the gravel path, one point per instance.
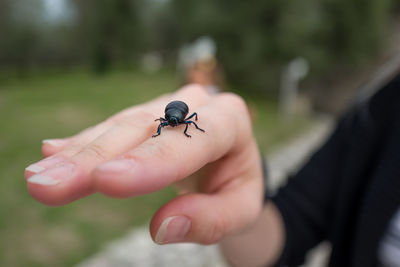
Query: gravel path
point(137, 248)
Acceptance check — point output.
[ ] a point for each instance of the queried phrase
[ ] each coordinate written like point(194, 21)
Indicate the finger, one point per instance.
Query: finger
point(70, 178)
point(53, 146)
point(58, 150)
point(161, 161)
point(206, 219)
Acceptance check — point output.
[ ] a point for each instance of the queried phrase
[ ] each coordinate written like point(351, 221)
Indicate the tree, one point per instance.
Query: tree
point(19, 26)
point(112, 30)
point(257, 38)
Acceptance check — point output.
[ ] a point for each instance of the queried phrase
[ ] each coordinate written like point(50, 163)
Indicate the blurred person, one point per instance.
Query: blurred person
point(198, 63)
point(207, 73)
point(348, 193)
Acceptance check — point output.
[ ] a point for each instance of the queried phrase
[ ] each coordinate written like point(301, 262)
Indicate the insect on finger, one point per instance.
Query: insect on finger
point(175, 113)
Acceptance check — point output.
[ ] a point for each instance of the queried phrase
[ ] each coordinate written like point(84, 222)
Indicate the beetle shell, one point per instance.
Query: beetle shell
point(177, 109)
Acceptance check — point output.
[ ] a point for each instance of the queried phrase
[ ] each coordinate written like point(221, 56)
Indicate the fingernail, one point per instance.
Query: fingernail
point(34, 168)
point(43, 180)
point(116, 166)
point(44, 164)
point(55, 142)
point(173, 229)
point(54, 175)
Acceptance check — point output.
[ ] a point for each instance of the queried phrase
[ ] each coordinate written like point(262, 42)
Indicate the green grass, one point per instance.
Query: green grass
point(58, 105)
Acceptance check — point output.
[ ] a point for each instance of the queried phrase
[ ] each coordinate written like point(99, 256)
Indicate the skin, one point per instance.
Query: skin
point(218, 174)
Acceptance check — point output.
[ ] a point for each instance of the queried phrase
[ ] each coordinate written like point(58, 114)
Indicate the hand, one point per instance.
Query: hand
point(120, 159)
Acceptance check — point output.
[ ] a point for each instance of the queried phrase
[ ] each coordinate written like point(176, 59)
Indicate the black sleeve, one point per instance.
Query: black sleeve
point(307, 202)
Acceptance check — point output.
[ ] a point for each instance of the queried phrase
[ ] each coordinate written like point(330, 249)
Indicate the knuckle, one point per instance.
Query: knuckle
point(138, 120)
point(166, 151)
point(236, 106)
point(97, 151)
point(159, 152)
point(195, 89)
point(217, 231)
point(144, 115)
point(233, 100)
point(72, 149)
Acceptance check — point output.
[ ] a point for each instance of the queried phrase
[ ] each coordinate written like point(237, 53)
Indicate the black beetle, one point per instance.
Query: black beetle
point(175, 113)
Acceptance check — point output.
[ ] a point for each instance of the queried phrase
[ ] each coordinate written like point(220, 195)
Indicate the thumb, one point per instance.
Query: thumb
point(206, 219)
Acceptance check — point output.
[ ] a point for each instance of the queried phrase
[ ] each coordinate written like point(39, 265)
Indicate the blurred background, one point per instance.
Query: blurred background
point(68, 64)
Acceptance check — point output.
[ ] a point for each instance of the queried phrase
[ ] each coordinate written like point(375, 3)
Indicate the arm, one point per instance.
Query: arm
point(299, 216)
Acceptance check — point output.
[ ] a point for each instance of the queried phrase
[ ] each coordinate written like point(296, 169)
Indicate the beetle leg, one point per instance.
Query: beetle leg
point(197, 127)
point(160, 119)
point(159, 128)
point(187, 124)
point(191, 116)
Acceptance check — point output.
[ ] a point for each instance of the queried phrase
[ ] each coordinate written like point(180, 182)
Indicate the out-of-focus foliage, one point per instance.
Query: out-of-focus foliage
point(98, 33)
point(19, 28)
point(255, 38)
point(110, 31)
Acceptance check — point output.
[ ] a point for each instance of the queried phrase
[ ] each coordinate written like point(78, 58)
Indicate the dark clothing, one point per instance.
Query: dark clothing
point(350, 189)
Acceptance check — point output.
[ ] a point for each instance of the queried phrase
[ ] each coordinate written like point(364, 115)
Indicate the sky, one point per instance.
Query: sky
point(57, 10)
point(61, 10)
